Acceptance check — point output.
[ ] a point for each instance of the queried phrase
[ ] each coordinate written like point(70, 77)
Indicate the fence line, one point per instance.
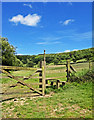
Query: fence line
point(43, 80)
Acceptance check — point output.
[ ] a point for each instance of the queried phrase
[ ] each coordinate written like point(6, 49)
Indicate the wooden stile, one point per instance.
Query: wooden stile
point(40, 75)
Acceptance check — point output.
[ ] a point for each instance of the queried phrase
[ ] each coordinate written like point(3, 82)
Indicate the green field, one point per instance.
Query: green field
point(74, 100)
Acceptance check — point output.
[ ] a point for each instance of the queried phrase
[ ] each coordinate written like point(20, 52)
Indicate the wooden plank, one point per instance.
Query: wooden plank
point(17, 68)
point(31, 77)
point(8, 74)
point(53, 66)
point(25, 78)
point(57, 84)
point(72, 68)
point(39, 88)
point(50, 78)
point(47, 85)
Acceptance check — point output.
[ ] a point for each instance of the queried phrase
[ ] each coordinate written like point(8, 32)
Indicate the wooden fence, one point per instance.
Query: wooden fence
point(43, 81)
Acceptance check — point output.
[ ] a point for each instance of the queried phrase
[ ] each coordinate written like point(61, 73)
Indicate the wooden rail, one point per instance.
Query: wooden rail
point(18, 68)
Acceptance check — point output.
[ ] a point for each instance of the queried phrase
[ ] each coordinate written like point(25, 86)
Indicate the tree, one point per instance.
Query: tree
point(8, 53)
point(30, 64)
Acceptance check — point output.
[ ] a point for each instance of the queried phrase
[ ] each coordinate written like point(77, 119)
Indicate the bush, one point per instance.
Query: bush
point(83, 76)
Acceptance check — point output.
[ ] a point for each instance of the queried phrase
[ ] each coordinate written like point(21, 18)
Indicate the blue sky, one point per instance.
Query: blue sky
point(55, 27)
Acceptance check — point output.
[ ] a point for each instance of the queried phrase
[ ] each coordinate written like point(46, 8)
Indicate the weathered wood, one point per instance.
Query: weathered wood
point(47, 85)
point(43, 77)
point(53, 66)
point(57, 84)
point(32, 77)
point(55, 77)
point(8, 74)
point(72, 68)
point(39, 88)
point(68, 69)
point(17, 68)
point(26, 78)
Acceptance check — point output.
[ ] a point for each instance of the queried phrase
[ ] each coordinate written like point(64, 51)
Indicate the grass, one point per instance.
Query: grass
point(74, 100)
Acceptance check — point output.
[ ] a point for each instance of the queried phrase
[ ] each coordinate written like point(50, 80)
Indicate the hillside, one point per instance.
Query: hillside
point(58, 58)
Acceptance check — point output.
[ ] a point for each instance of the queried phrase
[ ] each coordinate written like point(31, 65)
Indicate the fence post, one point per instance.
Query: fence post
point(68, 69)
point(43, 77)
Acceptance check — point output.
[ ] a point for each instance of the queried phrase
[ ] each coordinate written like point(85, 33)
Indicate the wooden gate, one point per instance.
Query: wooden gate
point(40, 90)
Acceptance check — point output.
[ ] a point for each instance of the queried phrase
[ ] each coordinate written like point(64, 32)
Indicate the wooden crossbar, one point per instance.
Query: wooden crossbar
point(18, 68)
point(55, 77)
point(72, 68)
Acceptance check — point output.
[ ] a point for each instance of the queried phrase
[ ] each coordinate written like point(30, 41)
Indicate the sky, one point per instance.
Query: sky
point(56, 27)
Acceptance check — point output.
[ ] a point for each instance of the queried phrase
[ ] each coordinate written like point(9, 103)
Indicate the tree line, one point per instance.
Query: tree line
point(9, 56)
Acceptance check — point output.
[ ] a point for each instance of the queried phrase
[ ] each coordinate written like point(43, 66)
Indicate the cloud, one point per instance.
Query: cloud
point(71, 50)
point(29, 5)
point(66, 22)
point(67, 51)
point(51, 38)
point(42, 43)
point(29, 20)
point(45, 43)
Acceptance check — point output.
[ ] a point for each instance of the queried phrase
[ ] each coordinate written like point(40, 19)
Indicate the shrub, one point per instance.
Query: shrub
point(82, 76)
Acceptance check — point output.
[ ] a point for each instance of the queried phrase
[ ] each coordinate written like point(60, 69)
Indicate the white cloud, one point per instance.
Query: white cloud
point(66, 22)
point(29, 5)
point(46, 43)
point(29, 20)
point(67, 51)
point(70, 50)
point(42, 43)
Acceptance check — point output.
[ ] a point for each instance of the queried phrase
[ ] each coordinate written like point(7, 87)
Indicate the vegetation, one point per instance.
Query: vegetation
point(60, 58)
point(8, 54)
point(82, 76)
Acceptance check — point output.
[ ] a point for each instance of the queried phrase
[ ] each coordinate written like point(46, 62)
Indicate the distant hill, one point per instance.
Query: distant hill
point(58, 58)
